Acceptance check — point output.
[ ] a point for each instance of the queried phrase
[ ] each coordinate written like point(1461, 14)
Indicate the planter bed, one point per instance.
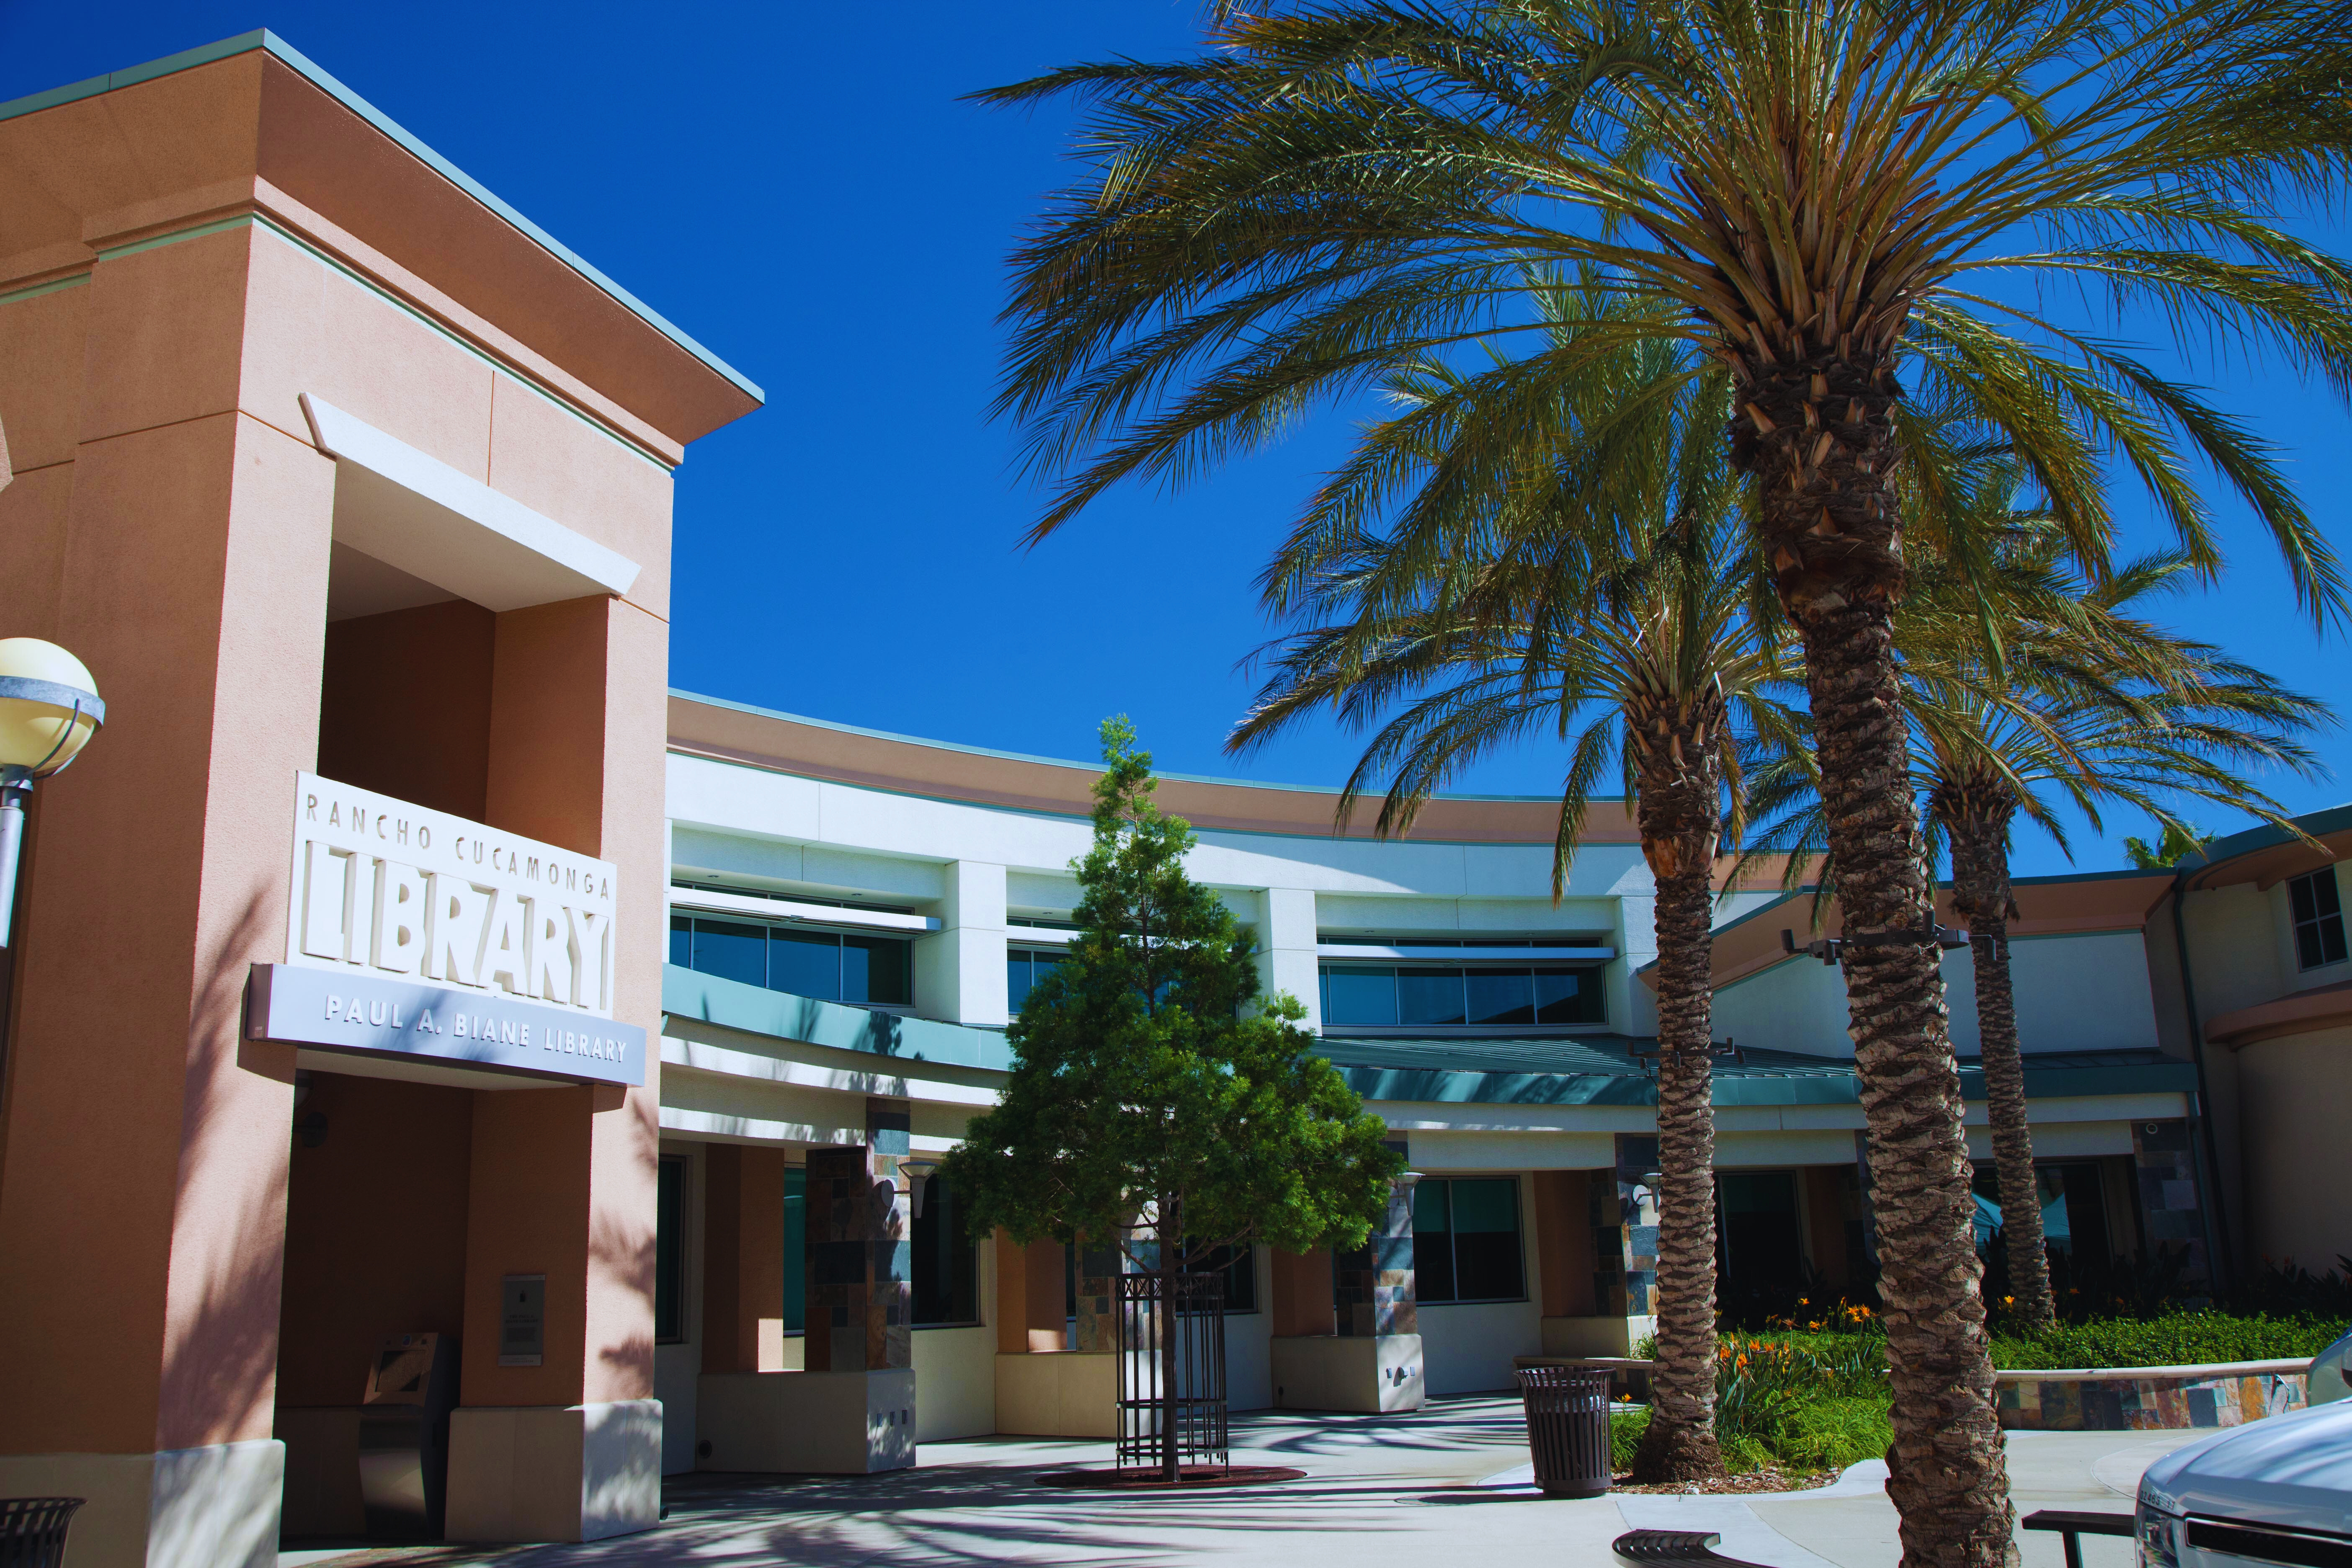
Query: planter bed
point(2147, 1398)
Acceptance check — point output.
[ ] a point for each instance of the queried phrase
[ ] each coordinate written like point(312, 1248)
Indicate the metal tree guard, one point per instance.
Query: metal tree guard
point(1193, 1402)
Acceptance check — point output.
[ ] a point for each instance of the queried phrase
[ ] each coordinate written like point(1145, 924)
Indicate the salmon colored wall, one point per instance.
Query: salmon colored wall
point(171, 525)
point(743, 1268)
point(393, 678)
point(1304, 1299)
point(578, 707)
point(1564, 1260)
point(142, 1203)
point(1032, 1296)
point(375, 1231)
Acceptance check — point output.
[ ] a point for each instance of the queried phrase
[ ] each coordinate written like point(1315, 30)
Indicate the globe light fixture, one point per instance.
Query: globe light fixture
point(49, 708)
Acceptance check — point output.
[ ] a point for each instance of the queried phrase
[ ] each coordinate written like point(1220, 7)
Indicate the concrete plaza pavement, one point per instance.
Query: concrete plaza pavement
point(1447, 1484)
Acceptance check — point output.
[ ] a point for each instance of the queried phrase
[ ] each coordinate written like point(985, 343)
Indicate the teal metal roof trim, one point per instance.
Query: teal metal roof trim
point(2335, 819)
point(188, 59)
point(779, 1014)
point(963, 750)
point(1593, 1069)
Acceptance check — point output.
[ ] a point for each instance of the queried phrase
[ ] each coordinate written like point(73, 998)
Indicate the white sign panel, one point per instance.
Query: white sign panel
point(384, 889)
point(372, 1014)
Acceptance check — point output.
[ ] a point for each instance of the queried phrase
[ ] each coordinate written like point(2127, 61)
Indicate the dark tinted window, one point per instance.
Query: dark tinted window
point(795, 1251)
point(1023, 968)
point(2318, 919)
point(669, 1251)
point(945, 1265)
point(827, 965)
point(1466, 1239)
point(1436, 996)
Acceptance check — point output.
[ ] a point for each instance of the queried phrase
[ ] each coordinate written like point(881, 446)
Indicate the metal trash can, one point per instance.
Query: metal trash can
point(1567, 1428)
point(33, 1531)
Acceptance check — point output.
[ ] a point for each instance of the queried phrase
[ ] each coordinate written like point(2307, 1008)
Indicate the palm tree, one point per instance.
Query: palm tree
point(1342, 187)
point(1609, 603)
point(2080, 702)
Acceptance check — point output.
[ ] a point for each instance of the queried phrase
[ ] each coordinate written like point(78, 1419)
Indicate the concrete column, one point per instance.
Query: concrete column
point(180, 550)
point(743, 1260)
point(1031, 1314)
point(563, 1180)
point(960, 969)
point(1564, 1243)
point(1286, 948)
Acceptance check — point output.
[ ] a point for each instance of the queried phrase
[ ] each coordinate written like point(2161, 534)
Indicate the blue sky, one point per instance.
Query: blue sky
point(799, 188)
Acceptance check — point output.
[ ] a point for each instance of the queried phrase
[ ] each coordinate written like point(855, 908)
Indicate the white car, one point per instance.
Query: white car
point(2277, 1490)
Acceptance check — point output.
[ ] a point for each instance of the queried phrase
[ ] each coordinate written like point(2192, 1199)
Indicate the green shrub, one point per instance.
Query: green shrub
point(1830, 1434)
point(1625, 1430)
point(2173, 1340)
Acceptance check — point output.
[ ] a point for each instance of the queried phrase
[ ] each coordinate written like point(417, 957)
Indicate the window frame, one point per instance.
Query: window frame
point(2323, 920)
point(1519, 1234)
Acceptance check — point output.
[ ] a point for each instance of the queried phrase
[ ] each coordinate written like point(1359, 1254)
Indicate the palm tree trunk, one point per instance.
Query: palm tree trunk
point(1680, 1444)
point(1680, 809)
point(1980, 832)
point(1823, 455)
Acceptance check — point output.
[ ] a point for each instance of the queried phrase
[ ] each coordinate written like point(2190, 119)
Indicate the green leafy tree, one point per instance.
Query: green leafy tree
point(1339, 186)
point(2178, 841)
point(1610, 604)
point(1156, 1101)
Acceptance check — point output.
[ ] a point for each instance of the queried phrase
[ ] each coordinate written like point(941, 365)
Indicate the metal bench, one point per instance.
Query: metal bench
point(1674, 1549)
point(2072, 1526)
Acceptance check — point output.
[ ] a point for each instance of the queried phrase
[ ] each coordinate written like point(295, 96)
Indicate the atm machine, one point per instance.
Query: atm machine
point(404, 1437)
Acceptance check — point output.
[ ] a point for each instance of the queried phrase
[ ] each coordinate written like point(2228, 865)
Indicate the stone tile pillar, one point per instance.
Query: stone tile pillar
point(2164, 1159)
point(1374, 1362)
point(859, 1292)
point(1624, 1218)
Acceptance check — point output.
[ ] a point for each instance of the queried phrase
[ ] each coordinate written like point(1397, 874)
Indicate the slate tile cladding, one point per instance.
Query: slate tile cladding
point(2147, 1403)
point(860, 1293)
point(1625, 1219)
point(2165, 1160)
point(1373, 1284)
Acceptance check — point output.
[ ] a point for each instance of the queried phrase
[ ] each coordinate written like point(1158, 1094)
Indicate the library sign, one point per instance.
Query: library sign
point(411, 932)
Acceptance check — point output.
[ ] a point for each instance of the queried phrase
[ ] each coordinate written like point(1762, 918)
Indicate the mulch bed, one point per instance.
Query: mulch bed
point(1192, 1477)
point(1764, 1481)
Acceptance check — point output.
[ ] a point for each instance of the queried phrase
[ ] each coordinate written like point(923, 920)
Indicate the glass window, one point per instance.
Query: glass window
point(1363, 996)
point(1466, 1239)
point(1569, 996)
point(669, 1251)
point(681, 941)
point(2318, 918)
point(1238, 1264)
point(804, 963)
point(1430, 997)
point(1436, 996)
point(873, 970)
point(945, 1266)
point(1023, 968)
point(1761, 1239)
point(796, 1250)
point(1500, 996)
point(732, 950)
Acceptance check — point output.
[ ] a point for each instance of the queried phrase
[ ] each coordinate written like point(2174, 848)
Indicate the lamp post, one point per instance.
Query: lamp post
point(49, 708)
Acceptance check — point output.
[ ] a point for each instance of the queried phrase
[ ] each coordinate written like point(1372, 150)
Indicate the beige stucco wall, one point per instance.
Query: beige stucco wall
point(2295, 1101)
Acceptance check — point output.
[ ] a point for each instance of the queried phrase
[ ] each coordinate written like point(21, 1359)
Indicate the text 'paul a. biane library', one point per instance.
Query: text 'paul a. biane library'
point(439, 1058)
